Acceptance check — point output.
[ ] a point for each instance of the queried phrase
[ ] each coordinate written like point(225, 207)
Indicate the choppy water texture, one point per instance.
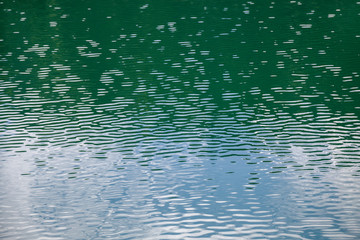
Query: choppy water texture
point(179, 119)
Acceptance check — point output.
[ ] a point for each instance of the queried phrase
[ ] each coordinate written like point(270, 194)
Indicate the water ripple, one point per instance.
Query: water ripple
point(225, 121)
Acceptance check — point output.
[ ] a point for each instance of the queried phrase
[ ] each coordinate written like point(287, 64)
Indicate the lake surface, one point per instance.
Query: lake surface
point(179, 119)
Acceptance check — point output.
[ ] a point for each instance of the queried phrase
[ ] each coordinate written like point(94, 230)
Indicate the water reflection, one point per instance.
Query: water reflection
point(179, 120)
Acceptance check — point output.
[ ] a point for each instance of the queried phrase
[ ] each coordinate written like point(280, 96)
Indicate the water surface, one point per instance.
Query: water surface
point(179, 120)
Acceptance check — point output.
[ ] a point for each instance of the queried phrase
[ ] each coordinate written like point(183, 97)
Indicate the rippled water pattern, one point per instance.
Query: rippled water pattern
point(179, 119)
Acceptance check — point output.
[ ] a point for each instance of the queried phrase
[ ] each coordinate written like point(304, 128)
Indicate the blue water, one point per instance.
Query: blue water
point(179, 120)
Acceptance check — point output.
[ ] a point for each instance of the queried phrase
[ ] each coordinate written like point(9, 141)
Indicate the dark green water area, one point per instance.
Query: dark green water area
point(180, 119)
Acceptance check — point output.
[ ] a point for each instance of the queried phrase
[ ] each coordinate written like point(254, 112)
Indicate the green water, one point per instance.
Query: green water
point(179, 119)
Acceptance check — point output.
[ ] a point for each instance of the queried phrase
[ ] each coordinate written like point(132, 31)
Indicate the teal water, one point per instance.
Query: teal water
point(179, 119)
